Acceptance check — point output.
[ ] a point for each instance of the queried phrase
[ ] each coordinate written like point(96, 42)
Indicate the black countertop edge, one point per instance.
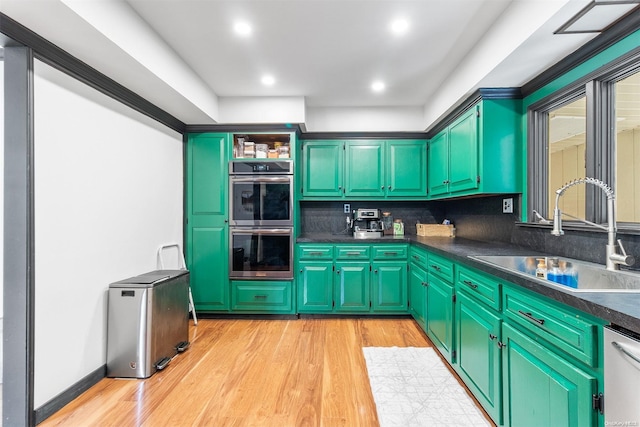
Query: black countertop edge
point(622, 309)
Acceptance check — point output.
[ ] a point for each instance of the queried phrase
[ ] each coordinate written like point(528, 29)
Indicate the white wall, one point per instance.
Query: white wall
point(366, 119)
point(253, 109)
point(108, 192)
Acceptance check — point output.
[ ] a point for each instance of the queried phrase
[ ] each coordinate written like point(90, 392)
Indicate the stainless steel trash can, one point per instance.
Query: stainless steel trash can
point(148, 322)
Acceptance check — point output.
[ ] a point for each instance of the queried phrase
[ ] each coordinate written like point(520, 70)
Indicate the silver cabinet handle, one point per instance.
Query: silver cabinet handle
point(625, 351)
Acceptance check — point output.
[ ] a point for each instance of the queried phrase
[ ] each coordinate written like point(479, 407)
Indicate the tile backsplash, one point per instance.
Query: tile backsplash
point(476, 219)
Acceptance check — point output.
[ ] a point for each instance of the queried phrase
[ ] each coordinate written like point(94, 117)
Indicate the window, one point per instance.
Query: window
point(567, 138)
point(627, 125)
point(589, 129)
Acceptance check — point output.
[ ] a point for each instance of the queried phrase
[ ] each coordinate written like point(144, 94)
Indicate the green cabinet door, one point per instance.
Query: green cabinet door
point(364, 170)
point(478, 359)
point(463, 152)
point(322, 169)
point(418, 294)
point(438, 164)
point(389, 286)
point(541, 388)
point(352, 282)
point(440, 316)
point(315, 286)
point(206, 231)
point(406, 168)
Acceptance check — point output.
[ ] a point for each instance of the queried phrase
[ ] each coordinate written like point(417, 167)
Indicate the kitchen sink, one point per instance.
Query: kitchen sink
point(587, 277)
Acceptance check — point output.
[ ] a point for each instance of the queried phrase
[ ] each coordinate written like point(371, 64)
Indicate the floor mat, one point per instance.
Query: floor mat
point(412, 387)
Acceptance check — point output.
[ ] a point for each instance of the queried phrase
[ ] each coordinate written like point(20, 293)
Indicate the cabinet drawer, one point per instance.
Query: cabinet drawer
point(480, 286)
point(567, 330)
point(261, 296)
point(389, 252)
point(315, 252)
point(418, 256)
point(353, 252)
point(441, 267)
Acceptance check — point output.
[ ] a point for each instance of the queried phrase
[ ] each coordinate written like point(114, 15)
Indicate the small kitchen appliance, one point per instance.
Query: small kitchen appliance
point(366, 224)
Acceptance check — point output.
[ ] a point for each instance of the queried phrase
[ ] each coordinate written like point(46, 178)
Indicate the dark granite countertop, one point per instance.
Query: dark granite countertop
point(622, 309)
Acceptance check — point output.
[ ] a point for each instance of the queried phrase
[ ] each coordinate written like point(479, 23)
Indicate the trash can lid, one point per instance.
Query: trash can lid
point(150, 278)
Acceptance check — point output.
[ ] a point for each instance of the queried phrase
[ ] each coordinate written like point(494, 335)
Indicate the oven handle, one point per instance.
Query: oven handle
point(245, 230)
point(254, 178)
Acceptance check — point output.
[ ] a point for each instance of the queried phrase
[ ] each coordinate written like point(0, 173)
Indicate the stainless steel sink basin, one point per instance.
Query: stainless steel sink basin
point(590, 277)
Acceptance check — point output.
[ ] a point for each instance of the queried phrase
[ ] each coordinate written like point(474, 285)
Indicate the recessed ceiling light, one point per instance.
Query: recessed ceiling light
point(242, 28)
point(377, 86)
point(399, 26)
point(268, 80)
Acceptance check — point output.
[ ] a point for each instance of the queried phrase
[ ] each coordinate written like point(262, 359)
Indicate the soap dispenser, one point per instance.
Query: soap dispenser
point(541, 269)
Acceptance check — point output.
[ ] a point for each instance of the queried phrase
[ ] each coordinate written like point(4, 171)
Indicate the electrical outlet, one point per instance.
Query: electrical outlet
point(346, 208)
point(507, 205)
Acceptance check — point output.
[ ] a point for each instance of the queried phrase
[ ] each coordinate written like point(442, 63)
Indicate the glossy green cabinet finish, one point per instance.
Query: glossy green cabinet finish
point(406, 168)
point(541, 388)
point(440, 312)
point(478, 361)
point(463, 152)
point(389, 286)
point(352, 278)
point(478, 152)
point(315, 286)
point(418, 293)
point(438, 162)
point(322, 171)
point(206, 230)
point(364, 169)
point(564, 329)
point(260, 296)
point(352, 286)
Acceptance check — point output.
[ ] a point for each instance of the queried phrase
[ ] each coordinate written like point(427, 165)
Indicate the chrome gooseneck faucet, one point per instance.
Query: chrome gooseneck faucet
point(614, 259)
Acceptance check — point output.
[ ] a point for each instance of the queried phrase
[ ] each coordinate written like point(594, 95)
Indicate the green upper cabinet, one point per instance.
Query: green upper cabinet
point(438, 160)
point(463, 152)
point(406, 168)
point(206, 230)
point(364, 169)
point(323, 169)
point(478, 152)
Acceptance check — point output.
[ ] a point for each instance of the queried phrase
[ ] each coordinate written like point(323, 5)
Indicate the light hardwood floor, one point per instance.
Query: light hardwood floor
point(252, 372)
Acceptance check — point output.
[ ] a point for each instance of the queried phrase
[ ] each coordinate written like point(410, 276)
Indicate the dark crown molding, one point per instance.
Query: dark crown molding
point(54, 56)
point(608, 38)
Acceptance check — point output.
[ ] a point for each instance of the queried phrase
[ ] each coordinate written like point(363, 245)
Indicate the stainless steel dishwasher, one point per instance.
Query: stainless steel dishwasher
point(621, 377)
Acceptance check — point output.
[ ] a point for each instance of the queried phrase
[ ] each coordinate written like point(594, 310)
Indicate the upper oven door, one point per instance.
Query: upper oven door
point(258, 200)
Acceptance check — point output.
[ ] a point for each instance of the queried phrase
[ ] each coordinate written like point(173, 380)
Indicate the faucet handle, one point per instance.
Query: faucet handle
point(625, 259)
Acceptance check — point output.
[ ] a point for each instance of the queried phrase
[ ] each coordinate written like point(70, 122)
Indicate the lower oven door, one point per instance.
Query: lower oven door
point(261, 253)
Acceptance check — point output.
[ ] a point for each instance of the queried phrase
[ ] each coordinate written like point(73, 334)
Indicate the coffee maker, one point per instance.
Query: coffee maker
point(366, 224)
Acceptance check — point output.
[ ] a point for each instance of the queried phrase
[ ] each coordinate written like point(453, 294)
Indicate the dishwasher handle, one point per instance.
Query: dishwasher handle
point(625, 350)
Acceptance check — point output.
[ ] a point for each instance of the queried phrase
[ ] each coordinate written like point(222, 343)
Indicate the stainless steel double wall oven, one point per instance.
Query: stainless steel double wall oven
point(261, 219)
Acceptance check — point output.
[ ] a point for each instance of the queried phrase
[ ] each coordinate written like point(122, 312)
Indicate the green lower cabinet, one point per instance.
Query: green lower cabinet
point(478, 353)
point(440, 321)
point(352, 284)
point(418, 294)
point(262, 296)
point(209, 279)
point(315, 287)
point(542, 388)
point(390, 286)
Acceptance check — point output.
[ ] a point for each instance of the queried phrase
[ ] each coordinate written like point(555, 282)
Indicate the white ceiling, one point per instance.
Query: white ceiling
point(324, 54)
